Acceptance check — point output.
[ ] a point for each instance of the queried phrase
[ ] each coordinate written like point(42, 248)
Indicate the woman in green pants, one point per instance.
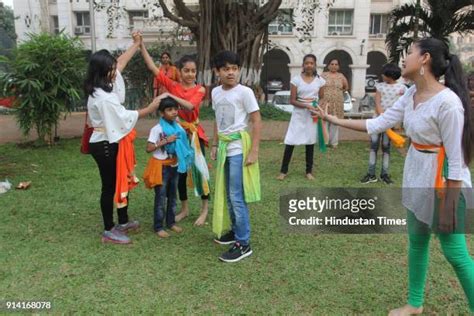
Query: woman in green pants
point(436, 178)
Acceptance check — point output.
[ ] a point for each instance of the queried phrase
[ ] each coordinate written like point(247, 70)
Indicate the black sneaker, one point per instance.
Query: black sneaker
point(236, 253)
point(368, 179)
point(226, 239)
point(386, 178)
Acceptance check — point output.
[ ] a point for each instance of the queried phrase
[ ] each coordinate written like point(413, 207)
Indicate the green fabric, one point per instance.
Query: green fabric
point(455, 250)
point(321, 141)
point(251, 181)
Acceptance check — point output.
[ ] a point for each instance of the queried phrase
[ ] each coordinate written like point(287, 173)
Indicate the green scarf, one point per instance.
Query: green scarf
point(251, 178)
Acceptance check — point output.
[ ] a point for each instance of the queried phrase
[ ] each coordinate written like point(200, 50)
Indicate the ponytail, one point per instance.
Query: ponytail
point(455, 80)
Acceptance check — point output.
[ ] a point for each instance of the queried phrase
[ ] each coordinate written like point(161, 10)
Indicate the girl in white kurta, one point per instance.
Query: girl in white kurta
point(111, 122)
point(305, 88)
point(437, 120)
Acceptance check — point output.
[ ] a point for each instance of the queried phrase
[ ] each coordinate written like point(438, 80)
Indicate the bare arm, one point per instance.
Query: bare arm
point(148, 60)
point(256, 120)
point(123, 59)
point(357, 125)
point(345, 84)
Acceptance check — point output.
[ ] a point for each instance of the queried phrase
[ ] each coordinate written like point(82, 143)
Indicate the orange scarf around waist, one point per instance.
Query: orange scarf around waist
point(441, 156)
point(126, 179)
point(153, 174)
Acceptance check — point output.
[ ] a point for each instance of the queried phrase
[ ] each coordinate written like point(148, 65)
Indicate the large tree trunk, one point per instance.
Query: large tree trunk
point(238, 26)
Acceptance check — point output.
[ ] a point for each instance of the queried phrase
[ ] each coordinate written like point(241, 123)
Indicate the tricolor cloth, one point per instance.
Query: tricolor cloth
point(198, 174)
point(251, 181)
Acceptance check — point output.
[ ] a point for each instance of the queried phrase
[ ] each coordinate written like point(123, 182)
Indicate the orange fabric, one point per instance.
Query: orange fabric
point(153, 175)
point(172, 73)
point(439, 183)
point(126, 179)
point(397, 140)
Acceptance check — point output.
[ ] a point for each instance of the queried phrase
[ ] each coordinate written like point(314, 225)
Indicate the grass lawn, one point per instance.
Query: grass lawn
point(50, 247)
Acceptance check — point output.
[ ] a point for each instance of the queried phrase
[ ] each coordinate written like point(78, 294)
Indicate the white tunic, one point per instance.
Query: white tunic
point(302, 129)
point(439, 120)
point(110, 119)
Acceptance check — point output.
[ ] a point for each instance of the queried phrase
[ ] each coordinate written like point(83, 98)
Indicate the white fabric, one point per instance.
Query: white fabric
point(119, 87)
point(156, 134)
point(109, 116)
point(302, 130)
point(436, 121)
point(390, 93)
point(232, 109)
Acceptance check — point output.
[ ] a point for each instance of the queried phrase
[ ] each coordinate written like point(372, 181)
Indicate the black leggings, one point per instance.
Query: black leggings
point(105, 155)
point(289, 152)
point(182, 178)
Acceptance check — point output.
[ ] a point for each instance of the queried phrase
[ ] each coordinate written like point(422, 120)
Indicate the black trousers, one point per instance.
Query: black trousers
point(182, 178)
point(289, 152)
point(105, 155)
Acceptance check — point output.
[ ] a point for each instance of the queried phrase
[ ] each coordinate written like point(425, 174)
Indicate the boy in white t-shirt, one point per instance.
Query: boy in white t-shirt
point(387, 92)
point(237, 172)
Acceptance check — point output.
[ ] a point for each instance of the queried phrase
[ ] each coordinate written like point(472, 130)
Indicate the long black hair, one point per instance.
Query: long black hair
point(101, 63)
point(444, 63)
point(315, 72)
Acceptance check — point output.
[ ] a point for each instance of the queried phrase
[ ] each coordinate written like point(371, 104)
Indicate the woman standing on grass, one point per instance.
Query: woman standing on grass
point(111, 142)
point(437, 120)
point(305, 88)
point(189, 96)
point(336, 85)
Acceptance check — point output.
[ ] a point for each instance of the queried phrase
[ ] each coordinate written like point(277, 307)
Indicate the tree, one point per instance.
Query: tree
point(7, 21)
point(437, 19)
point(46, 75)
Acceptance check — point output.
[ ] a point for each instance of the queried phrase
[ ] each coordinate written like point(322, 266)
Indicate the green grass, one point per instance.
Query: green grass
point(50, 247)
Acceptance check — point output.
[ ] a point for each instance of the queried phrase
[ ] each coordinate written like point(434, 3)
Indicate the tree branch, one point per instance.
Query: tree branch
point(167, 13)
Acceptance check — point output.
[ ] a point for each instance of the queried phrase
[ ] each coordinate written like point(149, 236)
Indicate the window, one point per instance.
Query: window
point(83, 23)
point(378, 24)
point(340, 22)
point(139, 14)
point(283, 23)
point(54, 24)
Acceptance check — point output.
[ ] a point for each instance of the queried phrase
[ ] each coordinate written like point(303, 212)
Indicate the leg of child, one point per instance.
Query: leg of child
point(286, 161)
point(235, 193)
point(386, 154)
point(183, 197)
point(309, 161)
point(159, 207)
point(374, 147)
point(172, 182)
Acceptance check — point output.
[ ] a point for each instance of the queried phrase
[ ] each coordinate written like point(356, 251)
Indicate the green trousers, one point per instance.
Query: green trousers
point(454, 249)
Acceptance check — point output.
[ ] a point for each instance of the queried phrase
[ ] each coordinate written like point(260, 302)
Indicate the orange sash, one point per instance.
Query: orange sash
point(126, 179)
point(153, 175)
point(441, 156)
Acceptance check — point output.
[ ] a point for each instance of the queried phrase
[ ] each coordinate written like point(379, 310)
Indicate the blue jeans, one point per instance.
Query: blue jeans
point(165, 196)
point(374, 148)
point(238, 210)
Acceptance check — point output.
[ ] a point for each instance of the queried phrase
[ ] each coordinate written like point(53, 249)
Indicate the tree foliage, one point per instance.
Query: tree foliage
point(437, 18)
point(46, 75)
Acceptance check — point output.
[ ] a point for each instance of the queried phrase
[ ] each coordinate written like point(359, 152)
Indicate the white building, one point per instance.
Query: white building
point(352, 31)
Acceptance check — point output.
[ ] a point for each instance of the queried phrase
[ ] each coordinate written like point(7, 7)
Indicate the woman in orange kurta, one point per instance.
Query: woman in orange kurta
point(169, 70)
point(189, 95)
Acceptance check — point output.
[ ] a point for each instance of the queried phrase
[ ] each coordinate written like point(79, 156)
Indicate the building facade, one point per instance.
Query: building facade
point(352, 31)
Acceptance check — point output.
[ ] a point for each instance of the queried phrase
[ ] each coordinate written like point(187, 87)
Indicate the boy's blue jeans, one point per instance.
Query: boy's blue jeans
point(238, 210)
point(165, 198)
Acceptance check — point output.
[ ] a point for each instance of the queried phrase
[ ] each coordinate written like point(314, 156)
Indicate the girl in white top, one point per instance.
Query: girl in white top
point(111, 122)
point(305, 88)
point(437, 120)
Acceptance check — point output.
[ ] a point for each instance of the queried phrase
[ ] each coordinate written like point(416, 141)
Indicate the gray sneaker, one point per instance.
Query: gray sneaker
point(125, 228)
point(115, 236)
